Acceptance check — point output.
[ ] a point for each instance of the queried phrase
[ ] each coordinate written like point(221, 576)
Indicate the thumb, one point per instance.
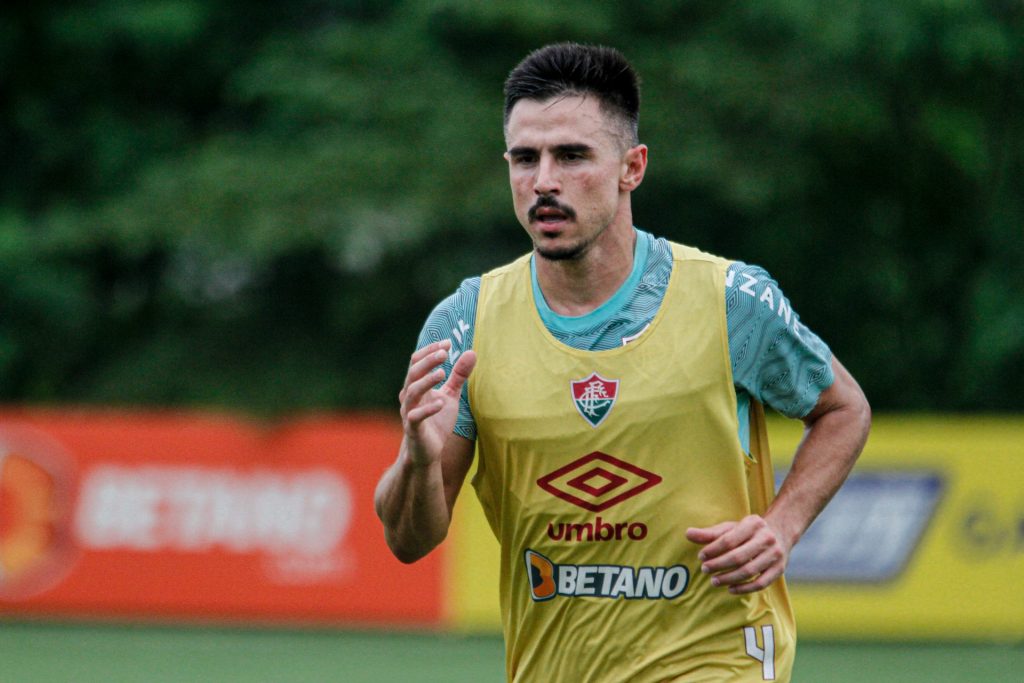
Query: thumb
point(464, 365)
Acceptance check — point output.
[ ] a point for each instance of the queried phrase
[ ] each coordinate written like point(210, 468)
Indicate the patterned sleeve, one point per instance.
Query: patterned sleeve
point(775, 358)
point(453, 319)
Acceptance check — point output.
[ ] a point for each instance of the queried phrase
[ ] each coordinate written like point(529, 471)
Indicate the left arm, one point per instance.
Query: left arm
point(749, 554)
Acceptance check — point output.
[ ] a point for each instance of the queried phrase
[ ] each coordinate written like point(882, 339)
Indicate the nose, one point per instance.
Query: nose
point(546, 180)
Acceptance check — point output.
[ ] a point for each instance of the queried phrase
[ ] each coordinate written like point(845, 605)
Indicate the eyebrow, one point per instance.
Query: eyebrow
point(568, 148)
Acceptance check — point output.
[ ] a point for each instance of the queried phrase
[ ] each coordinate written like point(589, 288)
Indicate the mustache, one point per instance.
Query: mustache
point(546, 201)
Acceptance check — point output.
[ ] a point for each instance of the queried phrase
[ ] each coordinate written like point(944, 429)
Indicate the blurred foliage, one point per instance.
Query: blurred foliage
point(256, 204)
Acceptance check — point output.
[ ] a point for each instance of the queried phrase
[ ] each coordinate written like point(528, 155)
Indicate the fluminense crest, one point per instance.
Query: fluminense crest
point(594, 397)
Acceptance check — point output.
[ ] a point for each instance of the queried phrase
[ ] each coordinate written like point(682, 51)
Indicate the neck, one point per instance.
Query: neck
point(576, 287)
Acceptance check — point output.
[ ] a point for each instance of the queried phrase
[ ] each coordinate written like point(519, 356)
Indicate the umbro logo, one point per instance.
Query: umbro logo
point(597, 481)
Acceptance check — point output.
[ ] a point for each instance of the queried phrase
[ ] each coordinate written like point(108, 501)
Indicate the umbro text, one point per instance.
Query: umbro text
point(598, 530)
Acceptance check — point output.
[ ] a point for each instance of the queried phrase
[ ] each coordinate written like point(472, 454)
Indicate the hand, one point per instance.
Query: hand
point(429, 414)
point(746, 556)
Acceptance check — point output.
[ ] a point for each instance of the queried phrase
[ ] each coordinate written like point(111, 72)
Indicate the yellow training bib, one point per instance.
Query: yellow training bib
point(592, 464)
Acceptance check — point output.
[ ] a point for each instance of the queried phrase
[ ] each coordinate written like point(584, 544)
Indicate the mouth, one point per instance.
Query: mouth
point(547, 212)
point(549, 217)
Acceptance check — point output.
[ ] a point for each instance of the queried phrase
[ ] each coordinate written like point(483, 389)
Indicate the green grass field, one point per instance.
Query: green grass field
point(88, 653)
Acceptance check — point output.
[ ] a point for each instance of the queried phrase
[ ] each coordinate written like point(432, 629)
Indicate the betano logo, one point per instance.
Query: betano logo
point(598, 481)
point(548, 580)
point(199, 509)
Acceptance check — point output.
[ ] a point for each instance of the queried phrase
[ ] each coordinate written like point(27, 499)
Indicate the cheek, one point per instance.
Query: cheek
point(522, 186)
point(523, 197)
point(599, 189)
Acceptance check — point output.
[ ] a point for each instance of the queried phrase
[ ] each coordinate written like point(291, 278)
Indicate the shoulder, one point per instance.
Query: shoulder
point(691, 257)
point(752, 294)
point(507, 269)
point(751, 291)
point(683, 252)
point(451, 317)
point(462, 299)
point(749, 272)
point(775, 358)
point(663, 255)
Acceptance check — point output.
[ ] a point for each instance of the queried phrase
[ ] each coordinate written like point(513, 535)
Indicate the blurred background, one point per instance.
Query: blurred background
point(250, 208)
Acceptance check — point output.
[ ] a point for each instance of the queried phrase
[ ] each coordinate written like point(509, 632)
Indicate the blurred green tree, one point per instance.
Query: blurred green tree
point(256, 204)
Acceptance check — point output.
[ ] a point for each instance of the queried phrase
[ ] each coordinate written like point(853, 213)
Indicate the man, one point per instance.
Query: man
point(611, 384)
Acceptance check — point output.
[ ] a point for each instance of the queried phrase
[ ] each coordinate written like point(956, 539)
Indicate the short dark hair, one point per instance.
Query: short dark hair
point(564, 69)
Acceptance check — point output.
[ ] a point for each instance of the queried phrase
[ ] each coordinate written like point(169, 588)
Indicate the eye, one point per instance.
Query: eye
point(524, 159)
point(571, 156)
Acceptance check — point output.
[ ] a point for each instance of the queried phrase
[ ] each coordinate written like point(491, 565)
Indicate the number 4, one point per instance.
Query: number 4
point(766, 654)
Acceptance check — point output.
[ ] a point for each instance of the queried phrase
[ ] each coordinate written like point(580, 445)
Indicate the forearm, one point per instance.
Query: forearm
point(414, 498)
point(833, 439)
point(747, 555)
point(410, 501)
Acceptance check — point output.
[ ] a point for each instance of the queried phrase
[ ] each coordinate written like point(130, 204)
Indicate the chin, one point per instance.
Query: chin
point(563, 248)
point(569, 252)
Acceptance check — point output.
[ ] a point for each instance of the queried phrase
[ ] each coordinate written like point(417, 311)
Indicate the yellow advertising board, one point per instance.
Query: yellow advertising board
point(925, 540)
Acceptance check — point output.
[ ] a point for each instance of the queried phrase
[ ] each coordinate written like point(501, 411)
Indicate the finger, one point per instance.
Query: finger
point(740, 533)
point(760, 583)
point(422, 412)
point(706, 535)
point(425, 351)
point(460, 373)
point(421, 367)
point(749, 549)
point(747, 571)
point(414, 393)
point(427, 357)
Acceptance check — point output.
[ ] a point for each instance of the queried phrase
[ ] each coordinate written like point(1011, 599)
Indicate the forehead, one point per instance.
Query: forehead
point(576, 118)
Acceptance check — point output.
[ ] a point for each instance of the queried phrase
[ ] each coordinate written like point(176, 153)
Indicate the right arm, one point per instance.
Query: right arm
point(415, 497)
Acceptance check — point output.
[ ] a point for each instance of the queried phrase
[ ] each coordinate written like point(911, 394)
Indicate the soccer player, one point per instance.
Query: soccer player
point(611, 385)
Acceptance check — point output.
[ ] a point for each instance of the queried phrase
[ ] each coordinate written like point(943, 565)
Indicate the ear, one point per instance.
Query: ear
point(634, 165)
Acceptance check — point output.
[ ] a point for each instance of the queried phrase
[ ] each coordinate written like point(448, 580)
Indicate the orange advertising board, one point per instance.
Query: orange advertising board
point(201, 517)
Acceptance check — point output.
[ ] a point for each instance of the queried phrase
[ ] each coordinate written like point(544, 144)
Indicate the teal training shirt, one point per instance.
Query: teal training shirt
point(775, 359)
